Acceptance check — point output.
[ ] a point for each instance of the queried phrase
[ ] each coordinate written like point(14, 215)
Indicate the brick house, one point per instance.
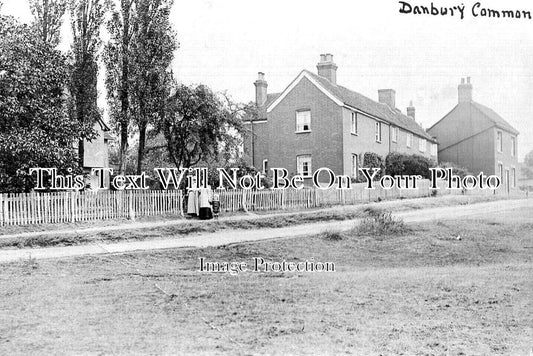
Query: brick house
point(477, 138)
point(316, 123)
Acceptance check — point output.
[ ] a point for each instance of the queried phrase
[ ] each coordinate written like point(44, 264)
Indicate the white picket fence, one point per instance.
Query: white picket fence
point(68, 207)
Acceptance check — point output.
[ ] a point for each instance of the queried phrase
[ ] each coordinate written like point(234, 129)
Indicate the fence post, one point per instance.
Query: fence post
point(130, 201)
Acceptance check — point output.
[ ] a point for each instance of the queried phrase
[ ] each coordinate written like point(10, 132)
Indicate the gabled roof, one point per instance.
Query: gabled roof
point(465, 109)
point(495, 118)
point(357, 101)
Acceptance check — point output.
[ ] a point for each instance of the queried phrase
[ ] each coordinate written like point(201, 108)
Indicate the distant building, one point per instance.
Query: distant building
point(316, 123)
point(477, 138)
point(96, 151)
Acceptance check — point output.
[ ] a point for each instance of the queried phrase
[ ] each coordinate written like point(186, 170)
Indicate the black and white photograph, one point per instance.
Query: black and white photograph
point(236, 177)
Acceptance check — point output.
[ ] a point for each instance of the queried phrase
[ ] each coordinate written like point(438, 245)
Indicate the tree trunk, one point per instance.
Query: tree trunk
point(81, 152)
point(140, 153)
point(124, 92)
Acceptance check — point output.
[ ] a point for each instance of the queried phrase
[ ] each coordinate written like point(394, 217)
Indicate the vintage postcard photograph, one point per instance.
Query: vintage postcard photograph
point(237, 177)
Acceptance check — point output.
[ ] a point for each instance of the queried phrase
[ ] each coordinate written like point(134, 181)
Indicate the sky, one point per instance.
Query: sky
point(224, 43)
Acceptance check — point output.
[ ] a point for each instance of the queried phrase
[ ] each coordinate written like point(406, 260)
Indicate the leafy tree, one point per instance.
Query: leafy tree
point(199, 125)
point(152, 53)
point(117, 58)
point(35, 130)
point(527, 167)
point(48, 16)
point(86, 19)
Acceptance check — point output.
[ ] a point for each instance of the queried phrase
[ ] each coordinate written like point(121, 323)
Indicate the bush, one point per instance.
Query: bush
point(331, 235)
point(380, 223)
point(402, 164)
point(373, 160)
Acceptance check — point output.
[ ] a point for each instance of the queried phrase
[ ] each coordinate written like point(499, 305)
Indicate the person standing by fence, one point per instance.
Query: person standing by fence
point(205, 198)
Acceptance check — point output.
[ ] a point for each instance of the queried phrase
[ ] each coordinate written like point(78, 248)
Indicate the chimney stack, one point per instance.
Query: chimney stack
point(411, 110)
point(326, 68)
point(260, 90)
point(387, 96)
point(465, 91)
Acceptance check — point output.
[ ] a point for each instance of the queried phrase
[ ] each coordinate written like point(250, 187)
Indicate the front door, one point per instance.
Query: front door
point(507, 181)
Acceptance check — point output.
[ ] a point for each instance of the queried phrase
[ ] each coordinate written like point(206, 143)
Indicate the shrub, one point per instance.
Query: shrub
point(331, 235)
point(373, 160)
point(380, 223)
point(402, 164)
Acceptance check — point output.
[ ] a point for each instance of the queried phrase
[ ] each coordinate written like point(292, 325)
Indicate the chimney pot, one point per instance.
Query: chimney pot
point(465, 91)
point(260, 89)
point(411, 110)
point(326, 68)
point(387, 96)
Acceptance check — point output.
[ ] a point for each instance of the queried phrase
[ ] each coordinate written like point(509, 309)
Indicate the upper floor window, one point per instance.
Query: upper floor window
point(422, 144)
point(265, 166)
point(513, 146)
point(499, 141)
point(303, 121)
point(433, 149)
point(395, 134)
point(409, 139)
point(303, 165)
point(354, 123)
point(378, 131)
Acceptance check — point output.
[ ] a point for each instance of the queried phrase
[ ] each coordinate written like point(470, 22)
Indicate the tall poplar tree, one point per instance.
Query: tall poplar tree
point(152, 54)
point(117, 58)
point(87, 17)
point(48, 17)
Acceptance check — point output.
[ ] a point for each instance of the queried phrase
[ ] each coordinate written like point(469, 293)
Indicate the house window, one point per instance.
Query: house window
point(422, 143)
point(355, 165)
point(433, 149)
point(395, 133)
point(513, 146)
point(303, 121)
point(409, 139)
point(513, 177)
point(265, 166)
point(303, 165)
point(500, 170)
point(354, 123)
point(378, 131)
point(499, 142)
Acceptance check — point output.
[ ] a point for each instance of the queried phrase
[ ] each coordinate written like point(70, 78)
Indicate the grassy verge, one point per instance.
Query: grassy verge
point(265, 220)
point(416, 292)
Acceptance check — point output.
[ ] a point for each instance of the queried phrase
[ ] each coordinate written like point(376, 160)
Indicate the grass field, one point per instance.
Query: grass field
point(183, 227)
point(422, 292)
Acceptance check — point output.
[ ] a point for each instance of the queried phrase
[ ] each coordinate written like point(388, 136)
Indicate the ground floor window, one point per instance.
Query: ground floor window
point(513, 177)
point(265, 166)
point(303, 165)
point(355, 165)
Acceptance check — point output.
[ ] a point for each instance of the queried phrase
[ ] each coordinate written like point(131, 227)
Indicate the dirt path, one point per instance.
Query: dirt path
point(238, 236)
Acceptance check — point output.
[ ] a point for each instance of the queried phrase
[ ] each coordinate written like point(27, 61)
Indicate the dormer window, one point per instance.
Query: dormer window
point(303, 121)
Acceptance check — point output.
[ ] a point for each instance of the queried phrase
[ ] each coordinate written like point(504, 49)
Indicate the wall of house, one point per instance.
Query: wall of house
point(461, 123)
point(475, 153)
point(259, 130)
point(364, 141)
point(401, 146)
point(96, 153)
point(323, 143)
point(505, 157)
